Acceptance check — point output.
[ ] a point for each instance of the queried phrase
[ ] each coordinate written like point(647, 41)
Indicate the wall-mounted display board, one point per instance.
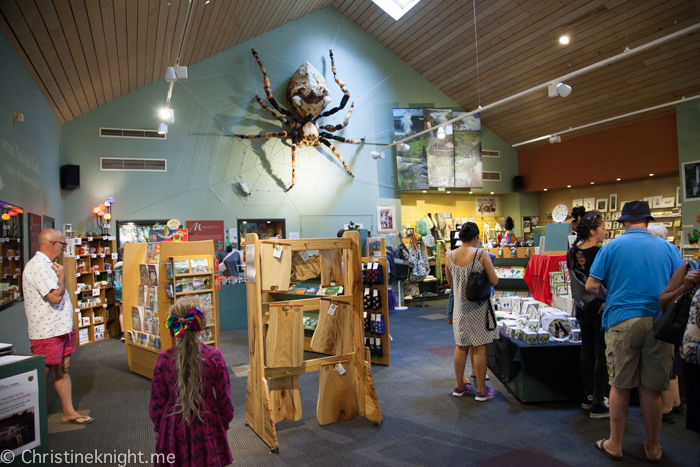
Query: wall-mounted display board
point(11, 255)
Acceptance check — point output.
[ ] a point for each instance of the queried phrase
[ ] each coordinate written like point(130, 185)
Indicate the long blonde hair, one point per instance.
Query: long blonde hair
point(190, 401)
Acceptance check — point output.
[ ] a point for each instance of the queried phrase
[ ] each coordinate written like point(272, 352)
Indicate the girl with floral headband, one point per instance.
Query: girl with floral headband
point(191, 405)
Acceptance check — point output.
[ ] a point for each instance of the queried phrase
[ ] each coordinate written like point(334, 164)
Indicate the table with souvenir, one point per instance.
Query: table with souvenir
point(537, 353)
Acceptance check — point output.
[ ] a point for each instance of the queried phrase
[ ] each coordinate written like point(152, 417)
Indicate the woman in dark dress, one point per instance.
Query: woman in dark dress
point(590, 233)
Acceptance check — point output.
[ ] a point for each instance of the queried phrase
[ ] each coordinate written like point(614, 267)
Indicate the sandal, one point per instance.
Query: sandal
point(75, 420)
point(600, 445)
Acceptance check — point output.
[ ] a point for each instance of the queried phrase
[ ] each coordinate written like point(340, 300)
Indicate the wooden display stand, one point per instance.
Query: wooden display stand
point(342, 394)
point(384, 310)
point(142, 359)
point(92, 264)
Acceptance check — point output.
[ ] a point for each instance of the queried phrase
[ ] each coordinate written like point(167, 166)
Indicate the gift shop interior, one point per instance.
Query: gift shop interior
point(310, 199)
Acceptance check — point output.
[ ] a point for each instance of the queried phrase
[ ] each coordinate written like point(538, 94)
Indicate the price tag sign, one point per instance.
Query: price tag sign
point(78, 241)
point(16, 258)
point(102, 256)
point(115, 255)
point(340, 369)
point(15, 276)
point(93, 256)
point(19, 240)
point(104, 306)
point(89, 239)
point(95, 292)
point(77, 274)
point(304, 255)
point(104, 237)
point(6, 227)
point(7, 239)
point(0, 259)
point(331, 310)
point(278, 251)
point(77, 292)
point(111, 237)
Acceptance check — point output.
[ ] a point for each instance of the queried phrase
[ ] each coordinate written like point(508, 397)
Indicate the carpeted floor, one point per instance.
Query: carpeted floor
point(423, 423)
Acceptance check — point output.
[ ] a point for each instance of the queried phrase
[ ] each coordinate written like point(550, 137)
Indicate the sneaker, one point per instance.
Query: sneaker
point(122, 339)
point(483, 396)
point(680, 410)
point(459, 392)
point(669, 418)
point(587, 402)
point(600, 411)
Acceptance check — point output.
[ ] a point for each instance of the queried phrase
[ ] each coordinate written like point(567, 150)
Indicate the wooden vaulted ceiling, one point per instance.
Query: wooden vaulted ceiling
point(85, 53)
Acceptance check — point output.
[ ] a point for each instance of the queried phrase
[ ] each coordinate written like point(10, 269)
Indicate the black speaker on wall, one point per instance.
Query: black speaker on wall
point(70, 177)
point(518, 183)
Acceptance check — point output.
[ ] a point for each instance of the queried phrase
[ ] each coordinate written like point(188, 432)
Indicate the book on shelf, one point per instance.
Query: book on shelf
point(143, 274)
point(292, 288)
point(300, 290)
point(168, 270)
point(508, 293)
point(153, 253)
point(143, 295)
point(331, 291)
point(153, 274)
point(199, 265)
point(136, 317)
point(169, 292)
point(200, 283)
point(178, 285)
point(153, 298)
point(205, 335)
point(182, 266)
point(312, 290)
point(187, 285)
point(522, 294)
point(148, 320)
point(83, 336)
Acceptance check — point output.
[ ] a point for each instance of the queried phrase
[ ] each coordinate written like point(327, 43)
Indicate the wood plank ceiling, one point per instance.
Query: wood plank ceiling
point(85, 53)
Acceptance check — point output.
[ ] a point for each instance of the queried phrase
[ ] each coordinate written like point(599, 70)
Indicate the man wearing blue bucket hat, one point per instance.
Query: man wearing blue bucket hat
point(635, 268)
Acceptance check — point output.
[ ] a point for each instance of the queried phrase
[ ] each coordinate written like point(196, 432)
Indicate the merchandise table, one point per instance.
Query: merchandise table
point(537, 372)
point(537, 275)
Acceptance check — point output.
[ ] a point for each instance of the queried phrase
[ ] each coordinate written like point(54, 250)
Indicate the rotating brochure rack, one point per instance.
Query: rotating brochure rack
point(346, 388)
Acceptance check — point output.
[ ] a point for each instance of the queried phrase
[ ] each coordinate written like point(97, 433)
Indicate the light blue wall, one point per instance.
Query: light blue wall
point(29, 165)
point(219, 97)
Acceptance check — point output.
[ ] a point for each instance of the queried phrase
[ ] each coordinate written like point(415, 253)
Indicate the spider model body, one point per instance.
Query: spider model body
point(308, 95)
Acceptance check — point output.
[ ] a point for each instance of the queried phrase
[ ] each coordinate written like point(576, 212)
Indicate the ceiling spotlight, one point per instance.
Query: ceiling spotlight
point(564, 40)
point(405, 147)
point(492, 192)
point(592, 183)
point(162, 129)
point(167, 115)
point(568, 186)
point(424, 191)
point(448, 192)
point(554, 139)
point(545, 189)
point(441, 133)
point(651, 175)
point(619, 179)
point(170, 74)
point(377, 155)
point(470, 192)
point(559, 89)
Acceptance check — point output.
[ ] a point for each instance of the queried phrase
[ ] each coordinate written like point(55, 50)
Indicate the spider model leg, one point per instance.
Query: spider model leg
point(268, 88)
point(281, 134)
point(323, 134)
point(346, 93)
point(272, 112)
point(294, 165)
point(337, 154)
point(342, 125)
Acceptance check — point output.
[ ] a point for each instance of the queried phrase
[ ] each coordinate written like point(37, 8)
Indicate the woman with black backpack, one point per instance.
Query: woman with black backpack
point(590, 233)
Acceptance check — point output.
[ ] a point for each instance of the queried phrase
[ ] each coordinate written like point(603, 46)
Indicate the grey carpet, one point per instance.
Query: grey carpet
point(423, 423)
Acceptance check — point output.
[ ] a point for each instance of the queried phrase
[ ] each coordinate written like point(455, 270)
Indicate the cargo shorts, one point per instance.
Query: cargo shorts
point(635, 357)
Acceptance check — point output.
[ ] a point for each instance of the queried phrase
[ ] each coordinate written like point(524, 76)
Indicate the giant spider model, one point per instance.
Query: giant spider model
point(308, 95)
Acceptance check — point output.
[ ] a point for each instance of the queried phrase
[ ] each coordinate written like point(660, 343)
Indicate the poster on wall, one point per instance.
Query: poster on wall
point(35, 224)
point(487, 206)
point(467, 151)
point(411, 161)
point(691, 181)
point(387, 219)
point(439, 148)
point(19, 413)
point(207, 230)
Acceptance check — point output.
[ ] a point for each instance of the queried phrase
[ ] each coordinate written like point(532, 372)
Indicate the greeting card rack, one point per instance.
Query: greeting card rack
point(379, 353)
point(346, 387)
point(142, 358)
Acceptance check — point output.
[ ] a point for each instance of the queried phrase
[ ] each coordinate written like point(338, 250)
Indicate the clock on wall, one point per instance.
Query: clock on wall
point(560, 213)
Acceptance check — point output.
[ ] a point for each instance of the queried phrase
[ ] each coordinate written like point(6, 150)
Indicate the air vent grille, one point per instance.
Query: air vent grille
point(489, 153)
point(133, 165)
point(126, 133)
point(492, 176)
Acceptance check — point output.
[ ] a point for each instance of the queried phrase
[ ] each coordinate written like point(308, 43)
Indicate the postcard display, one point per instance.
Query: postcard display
point(149, 289)
point(88, 267)
point(375, 300)
point(11, 252)
point(346, 387)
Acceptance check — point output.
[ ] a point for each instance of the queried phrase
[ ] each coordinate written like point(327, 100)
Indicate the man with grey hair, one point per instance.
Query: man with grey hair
point(50, 317)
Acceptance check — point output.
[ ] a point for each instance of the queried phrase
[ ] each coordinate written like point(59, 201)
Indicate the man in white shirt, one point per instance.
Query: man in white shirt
point(50, 317)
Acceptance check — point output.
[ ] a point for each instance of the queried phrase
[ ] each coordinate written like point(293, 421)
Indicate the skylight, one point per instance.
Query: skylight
point(396, 8)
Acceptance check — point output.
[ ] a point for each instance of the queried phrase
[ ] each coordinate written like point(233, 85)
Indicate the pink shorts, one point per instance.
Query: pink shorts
point(55, 348)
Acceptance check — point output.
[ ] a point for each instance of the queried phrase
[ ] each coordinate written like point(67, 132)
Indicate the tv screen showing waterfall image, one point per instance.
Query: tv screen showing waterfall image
point(439, 147)
point(467, 145)
point(411, 161)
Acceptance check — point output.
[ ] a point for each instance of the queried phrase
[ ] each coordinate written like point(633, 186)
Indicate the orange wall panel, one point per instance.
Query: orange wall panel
point(628, 152)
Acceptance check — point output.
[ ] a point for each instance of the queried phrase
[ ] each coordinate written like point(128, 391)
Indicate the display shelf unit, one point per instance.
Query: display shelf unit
point(521, 258)
point(11, 261)
point(90, 286)
point(276, 361)
point(383, 310)
point(142, 359)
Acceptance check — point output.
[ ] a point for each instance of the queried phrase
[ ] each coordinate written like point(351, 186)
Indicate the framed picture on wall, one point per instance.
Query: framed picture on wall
point(668, 202)
point(608, 216)
point(487, 206)
point(691, 181)
point(386, 215)
point(657, 201)
point(601, 205)
point(576, 202)
point(678, 196)
point(589, 204)
point(613, 202)
point(608, 225)
point(650, 200)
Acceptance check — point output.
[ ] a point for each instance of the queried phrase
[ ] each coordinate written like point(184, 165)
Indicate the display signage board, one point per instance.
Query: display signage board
point(207, 230)
point(169, 235)
point(35, 222)
point(19, 412)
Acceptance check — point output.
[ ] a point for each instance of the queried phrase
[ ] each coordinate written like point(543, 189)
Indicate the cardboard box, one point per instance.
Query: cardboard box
point(576, 335)
point(543, 337)
point(533, 325)
point(530, 337)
